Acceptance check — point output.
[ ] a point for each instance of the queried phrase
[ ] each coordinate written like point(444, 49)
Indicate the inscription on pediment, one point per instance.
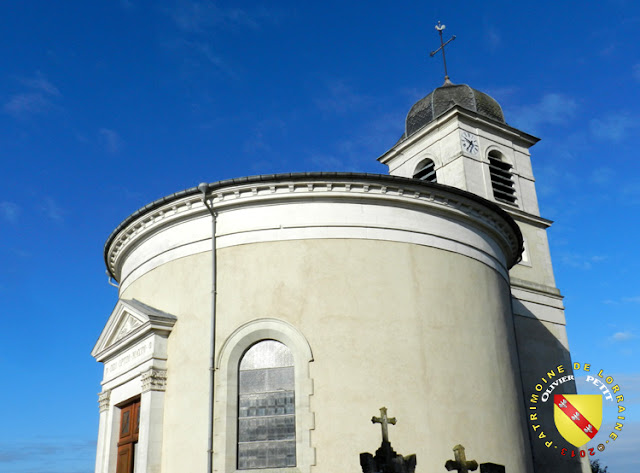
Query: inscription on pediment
point(129, 359)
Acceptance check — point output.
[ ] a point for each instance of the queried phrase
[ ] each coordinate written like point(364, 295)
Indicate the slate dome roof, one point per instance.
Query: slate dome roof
point(446, 97)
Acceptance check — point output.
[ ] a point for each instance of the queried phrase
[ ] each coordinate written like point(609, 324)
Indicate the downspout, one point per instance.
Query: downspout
point(110, 279)
point(203, 187)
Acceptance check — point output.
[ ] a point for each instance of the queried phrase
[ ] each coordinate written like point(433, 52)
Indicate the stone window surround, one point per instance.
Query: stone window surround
point(226, 403)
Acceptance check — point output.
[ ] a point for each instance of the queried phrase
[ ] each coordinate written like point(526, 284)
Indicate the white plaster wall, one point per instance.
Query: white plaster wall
point(453, 173)
point(528, 196)
point(183, 288)
point(423, 331)
point(388, 282)
point(539, 270)
point(476, 172)
point(442, 144)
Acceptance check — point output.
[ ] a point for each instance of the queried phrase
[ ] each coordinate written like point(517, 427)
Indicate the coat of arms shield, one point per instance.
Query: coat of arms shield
point(577, 416)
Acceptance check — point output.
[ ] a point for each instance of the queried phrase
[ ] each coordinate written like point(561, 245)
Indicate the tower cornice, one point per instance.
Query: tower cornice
point(466, 117)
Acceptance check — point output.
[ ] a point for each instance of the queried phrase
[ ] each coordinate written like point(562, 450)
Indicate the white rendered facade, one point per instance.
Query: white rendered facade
point(537, 304)
point(387, 290)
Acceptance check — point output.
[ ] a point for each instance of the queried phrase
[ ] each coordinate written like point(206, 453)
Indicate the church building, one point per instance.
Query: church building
point(263, 320)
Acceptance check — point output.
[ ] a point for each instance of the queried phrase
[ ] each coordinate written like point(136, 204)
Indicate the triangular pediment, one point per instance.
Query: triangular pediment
point(127, 324)
point(129, 321)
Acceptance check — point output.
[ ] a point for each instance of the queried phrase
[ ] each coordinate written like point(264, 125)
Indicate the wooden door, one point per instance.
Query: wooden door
point(129, 429)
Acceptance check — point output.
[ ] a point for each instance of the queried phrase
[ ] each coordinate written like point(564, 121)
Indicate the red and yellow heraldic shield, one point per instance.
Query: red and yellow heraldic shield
point(577, 416)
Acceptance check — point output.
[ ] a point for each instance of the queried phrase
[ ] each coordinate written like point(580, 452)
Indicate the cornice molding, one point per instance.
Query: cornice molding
point(537, 288)
point(525, 217)
point(332, 187)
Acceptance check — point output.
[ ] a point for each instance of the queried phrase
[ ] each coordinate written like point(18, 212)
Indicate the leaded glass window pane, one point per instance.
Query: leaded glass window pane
point(266, 407)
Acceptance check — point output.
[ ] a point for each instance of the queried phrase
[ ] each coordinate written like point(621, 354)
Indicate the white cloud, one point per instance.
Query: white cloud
point(413, 93)
point(633, 300)
point(52, 210)
point(340, 99)
point(25, 105)
point(492, 37)
point(581, 261)
point(9, 211)
point(111, 140)
point(622, 336)
point(40, 83)
point(552, 109)
point(195, 16)
point(199, 17)
point(263, 133)
point(200, 22)
point(38, 454)
point(613, 127)
point(326, 162)
point(503, 94)
point(630, 192)
point(623, 456)
point(379, 133)
point(602, 175)
point(38, 99)
point(205, 50)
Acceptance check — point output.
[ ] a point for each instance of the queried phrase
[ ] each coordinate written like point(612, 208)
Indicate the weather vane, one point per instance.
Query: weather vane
point(441, 27)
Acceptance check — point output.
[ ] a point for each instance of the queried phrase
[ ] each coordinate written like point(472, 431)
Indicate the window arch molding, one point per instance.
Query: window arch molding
point(225, 429)
point(494, 150)
point(425, 170)
point(420, 158)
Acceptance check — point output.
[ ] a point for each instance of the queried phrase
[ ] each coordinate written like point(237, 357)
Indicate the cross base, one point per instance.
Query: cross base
point(387, 460)
point(491, 468)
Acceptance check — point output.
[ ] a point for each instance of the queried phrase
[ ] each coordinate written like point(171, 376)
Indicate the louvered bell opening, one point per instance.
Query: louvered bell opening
point(426, 172)
point(502, 181)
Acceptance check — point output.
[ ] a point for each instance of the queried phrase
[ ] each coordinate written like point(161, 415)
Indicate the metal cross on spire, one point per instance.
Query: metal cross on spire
point(384, 420)
point(441, 27)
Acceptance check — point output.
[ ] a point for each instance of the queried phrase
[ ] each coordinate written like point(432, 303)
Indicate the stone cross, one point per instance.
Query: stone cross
point(460, 463)
point(384, 420)
point(439, 28)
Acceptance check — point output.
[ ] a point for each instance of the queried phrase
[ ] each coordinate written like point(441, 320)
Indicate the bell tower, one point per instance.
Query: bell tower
point(457, 136)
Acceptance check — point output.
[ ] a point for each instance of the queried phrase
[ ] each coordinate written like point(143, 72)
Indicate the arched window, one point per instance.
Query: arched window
point(263, 365)
point(501, 178)
point(266, 407)
point(425, 171)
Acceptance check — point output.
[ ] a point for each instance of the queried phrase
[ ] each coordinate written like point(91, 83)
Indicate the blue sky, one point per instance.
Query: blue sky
point(108, 105)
